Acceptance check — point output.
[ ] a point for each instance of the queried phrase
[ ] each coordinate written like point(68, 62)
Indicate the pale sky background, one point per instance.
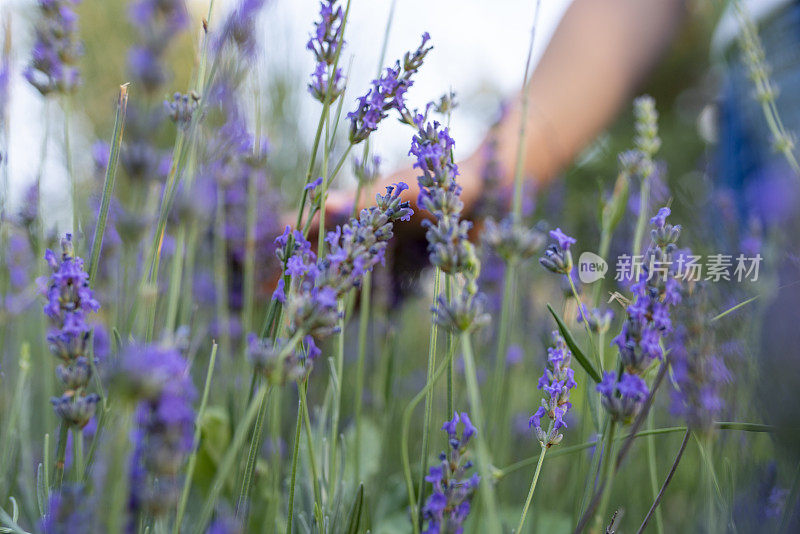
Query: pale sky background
point(480, 50)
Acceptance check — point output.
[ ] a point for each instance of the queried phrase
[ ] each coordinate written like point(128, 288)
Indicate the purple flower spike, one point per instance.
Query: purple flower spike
point(448, 505)
point(558, 379)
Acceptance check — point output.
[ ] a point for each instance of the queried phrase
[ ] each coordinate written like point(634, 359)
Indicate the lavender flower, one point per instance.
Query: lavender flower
point(655, 291)
point(622, 396)
point(366, 171)
point(557, 257)
point(449, 504)
point(355, 248)
point(557, 380)
point(56, 49)
point(387, 92)
point(325, 44)
point(158, 380)
point(69, 300)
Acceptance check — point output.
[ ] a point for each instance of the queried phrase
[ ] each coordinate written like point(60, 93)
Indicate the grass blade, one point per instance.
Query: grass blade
point(573, 346)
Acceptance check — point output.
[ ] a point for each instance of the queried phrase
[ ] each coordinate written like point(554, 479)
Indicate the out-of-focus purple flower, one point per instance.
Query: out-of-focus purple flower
point(599, 320)
point(367, 171)
point(159, 23)
point(448, 506)
point(387, 92)
point(158, 380)
point(622, 397)
point(181, 108)
point(56, 49)
point(69, 509)
point(239, 29)
point(557, 380)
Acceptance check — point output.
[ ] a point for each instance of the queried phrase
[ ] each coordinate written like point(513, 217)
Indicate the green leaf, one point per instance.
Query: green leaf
point(354, 519)
point(41, 491)
point(573, 346)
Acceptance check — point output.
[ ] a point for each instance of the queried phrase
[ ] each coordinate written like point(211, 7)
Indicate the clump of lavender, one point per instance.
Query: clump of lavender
point(622, 395)
point(387, 92)
point(557, 256)
point(326, 43)
point(312, 300)
point(449, 504)
point(69, 300)
point(366, 171)
point(157, 379)
point(56, 50)
point(557, 380)
point(354, 249)
point(655, 291)
point(448, 241)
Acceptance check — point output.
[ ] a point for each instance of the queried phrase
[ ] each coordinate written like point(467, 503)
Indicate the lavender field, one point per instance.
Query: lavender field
point(253, 282)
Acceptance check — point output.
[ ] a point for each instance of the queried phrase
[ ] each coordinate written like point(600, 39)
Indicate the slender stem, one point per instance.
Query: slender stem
point(448, 290)
point(108, 185)
point(61, 453)
point(608, 475)
point(295, 454)
point(67, 104)
point(432, 345)
point(337, 382)
point(530, 492)
point(585, 322)
point(564, 451)
point(190, 466)
point(363, 323)
point(641, 222)
point(77, 443)
point(672, 470)
point(517, 201)
point(503, 333)
point(484, 465)
point(228, 460)
point(652, 467)
point(301, 388)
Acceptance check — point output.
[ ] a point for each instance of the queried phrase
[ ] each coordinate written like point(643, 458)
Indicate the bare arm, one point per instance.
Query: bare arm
point(598, 55)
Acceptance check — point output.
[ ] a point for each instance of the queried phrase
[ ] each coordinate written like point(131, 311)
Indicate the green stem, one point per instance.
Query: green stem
point(641, 222)
point(484, 460)
point(608, 473)
point(108, 184)
point(363, 323)
point(585, 323)
point(77, 442)
point(311, 458)
point(432, 345)
point(518, 168)
point(295, 454)
point(530, 492)
point(228, 460)
point(337, 383)
point(652, 468)
point(61, 453)
point(192, 463)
